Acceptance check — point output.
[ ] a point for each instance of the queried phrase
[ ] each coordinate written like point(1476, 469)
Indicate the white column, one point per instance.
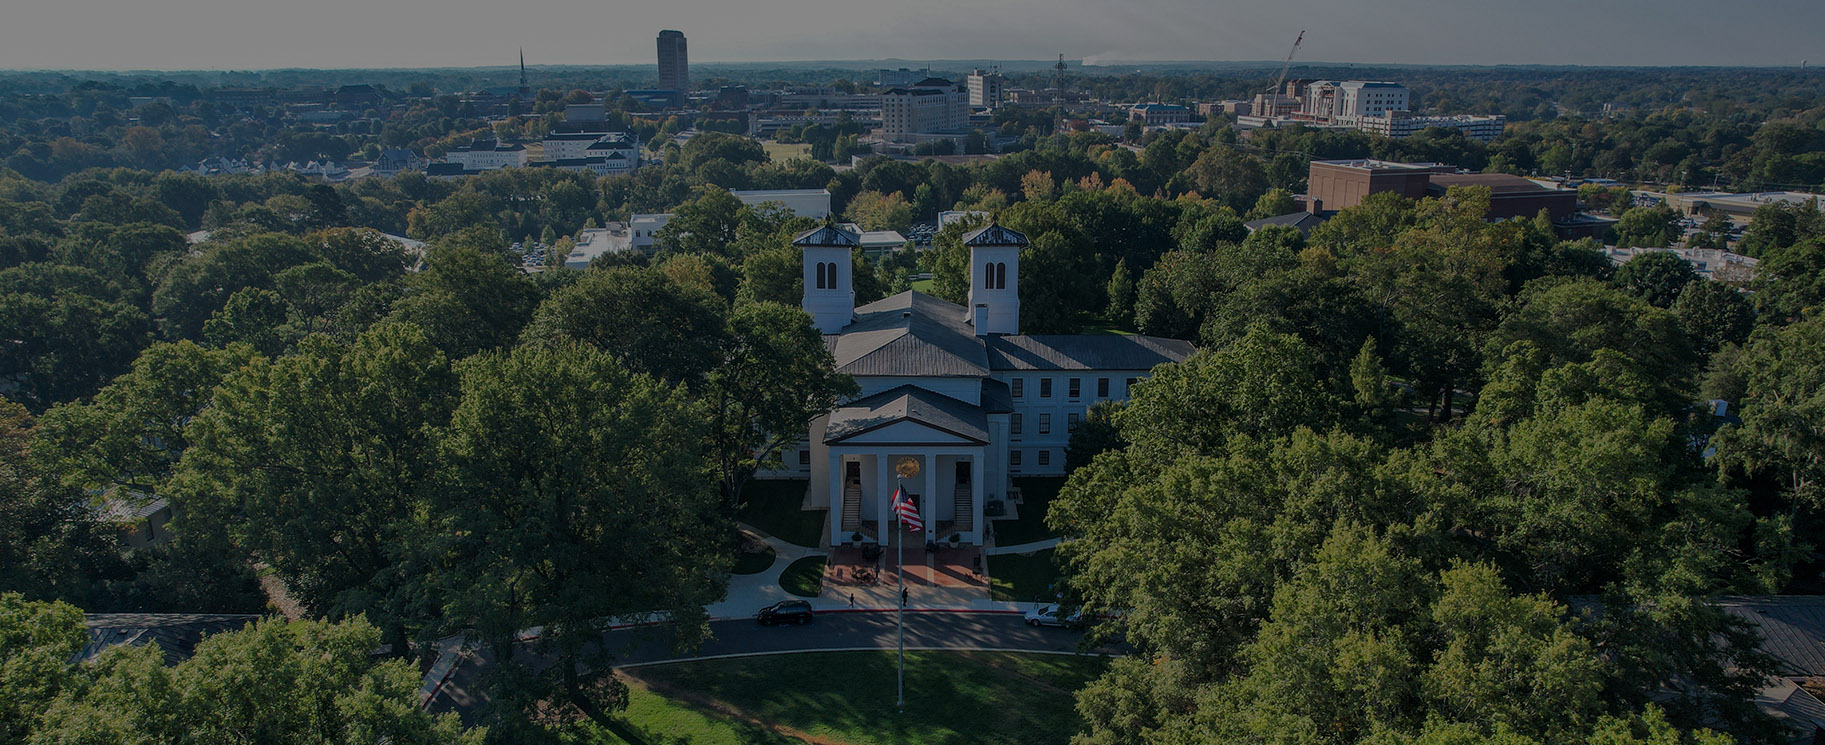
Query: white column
point(883, 495)
point(978, 474)
point(928, 509)
point(835, 487)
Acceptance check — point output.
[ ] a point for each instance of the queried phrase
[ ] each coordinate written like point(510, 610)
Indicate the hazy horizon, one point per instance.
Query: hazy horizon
point(209, 35)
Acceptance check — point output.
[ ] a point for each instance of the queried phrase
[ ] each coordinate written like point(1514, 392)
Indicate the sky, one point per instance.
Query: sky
point(265, 34)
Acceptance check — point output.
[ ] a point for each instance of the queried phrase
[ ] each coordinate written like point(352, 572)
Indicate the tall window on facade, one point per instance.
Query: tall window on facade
point(1075, 387)
point(1045, 424)
point(804, 457)
point(1014, 459)
point(988, 276)
point(820, 276)
point(1014, 424)
point(1045, 457)
point(1018, 387)
point(1045, 387)
point(1102, 387)
point(1001, 276)
point(1071, 421)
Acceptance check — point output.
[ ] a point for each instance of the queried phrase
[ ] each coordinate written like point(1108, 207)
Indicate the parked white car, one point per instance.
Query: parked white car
point(1049, 615)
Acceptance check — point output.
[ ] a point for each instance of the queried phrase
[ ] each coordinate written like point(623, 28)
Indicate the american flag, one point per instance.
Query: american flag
point(907, 511)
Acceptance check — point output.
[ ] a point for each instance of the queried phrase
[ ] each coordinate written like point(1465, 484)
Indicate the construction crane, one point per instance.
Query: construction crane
point(1281, 80)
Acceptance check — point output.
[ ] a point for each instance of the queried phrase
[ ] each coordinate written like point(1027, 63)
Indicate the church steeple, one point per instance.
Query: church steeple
point(525, 90)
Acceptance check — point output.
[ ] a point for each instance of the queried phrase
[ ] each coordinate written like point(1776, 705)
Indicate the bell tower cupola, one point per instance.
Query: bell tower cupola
point(829, 289)
point(995, 279)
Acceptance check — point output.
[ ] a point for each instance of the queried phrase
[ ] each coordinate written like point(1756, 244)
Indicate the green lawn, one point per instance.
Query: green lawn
point(952, 698)
point(780, 152)
point(753, 563)
point(804, 578)
point(774, 507)
point(1036, 496)
point(922, 286)
point(1023, 579)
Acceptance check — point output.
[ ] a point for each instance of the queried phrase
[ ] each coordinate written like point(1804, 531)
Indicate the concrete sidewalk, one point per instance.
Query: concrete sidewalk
point(1025, 548)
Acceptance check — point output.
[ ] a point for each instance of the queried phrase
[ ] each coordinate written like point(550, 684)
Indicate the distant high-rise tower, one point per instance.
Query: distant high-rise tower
point(674, 64)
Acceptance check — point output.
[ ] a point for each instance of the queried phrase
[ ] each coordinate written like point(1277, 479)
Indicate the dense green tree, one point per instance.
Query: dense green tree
point(1648, 227)
point(131, 435)
point(272, 682)
point(772, 276)
point(578, 493)
point(37, 641)
point(704, 225)
point(774, 375)
point(1265, 384)
point(1656, 277)
point(467, 300)
point(650, 323)
point(1783, 412)
point(343, 430)
point(1714, 314)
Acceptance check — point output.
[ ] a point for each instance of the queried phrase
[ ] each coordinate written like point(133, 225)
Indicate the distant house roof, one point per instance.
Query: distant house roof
point(1304, 221)
point(933, 82)
point(445, 169)
point(908, 403)
point(176, 634)
point(1084, 352)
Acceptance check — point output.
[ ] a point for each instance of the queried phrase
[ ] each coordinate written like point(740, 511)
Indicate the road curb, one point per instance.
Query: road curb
point(821, 611)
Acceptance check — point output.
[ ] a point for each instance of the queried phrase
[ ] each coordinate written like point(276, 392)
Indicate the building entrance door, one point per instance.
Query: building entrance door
point(852, 472)
point(963, 472)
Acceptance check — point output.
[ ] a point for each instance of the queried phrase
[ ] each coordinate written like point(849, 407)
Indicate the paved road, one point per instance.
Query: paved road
point(831, 631)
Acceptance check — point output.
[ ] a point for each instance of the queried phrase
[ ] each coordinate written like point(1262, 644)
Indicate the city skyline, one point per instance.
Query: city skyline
point(221, 34)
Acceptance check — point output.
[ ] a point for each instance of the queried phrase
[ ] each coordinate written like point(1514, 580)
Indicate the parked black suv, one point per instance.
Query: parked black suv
point(785, 611)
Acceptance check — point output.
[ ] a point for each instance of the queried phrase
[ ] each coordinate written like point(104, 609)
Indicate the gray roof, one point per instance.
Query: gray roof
point(912, 335)
point(996, 398)
point(1792, 626)
point(1794, 707)
point(828, 235)
point(1304, 221)
point(1084, 352)
point(177, 634)
point(994, 235)
point(908, 403)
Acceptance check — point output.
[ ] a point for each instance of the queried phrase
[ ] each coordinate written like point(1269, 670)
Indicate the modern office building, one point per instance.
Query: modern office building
point(674, 63)
point(931, 106)
point(987, 89)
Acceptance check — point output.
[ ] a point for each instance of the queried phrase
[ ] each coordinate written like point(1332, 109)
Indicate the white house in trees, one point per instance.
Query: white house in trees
point(957, 391)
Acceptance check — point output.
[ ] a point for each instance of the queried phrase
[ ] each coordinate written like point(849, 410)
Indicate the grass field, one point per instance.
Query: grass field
point(847, 698)
point(780, 152)
point(773, 506)
point(1035, 498)
point(922, 286)
point(804, 578)
point(1022, 579)
point(753, 563)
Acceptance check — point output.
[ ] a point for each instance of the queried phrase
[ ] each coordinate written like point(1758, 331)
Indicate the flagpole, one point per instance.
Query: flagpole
point(900, 612)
